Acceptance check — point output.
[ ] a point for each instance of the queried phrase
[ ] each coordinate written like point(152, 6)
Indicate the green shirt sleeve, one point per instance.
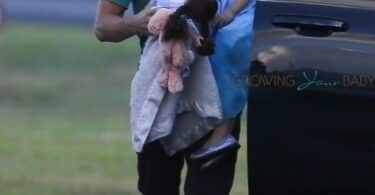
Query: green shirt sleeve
point(122, 3)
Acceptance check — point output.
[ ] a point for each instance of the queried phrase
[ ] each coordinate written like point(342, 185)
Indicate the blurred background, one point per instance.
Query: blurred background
point(64, 103)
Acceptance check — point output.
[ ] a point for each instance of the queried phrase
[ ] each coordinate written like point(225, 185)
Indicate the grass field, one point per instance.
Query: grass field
point(64, 114)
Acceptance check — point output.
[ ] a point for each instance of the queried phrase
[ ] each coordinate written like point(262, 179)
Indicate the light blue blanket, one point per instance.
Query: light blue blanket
point(231, 60)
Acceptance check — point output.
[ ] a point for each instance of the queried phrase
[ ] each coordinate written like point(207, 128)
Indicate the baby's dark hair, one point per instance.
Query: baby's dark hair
point(201, 12)
point(175, 28)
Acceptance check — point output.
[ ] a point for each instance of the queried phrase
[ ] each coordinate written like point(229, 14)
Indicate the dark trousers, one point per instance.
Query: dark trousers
point(160, 174)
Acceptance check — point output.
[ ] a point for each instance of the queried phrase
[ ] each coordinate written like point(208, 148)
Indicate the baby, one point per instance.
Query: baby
point(221, 140)
point(175, 29)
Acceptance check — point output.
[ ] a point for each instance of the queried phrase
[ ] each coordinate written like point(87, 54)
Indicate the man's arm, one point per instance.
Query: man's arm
point(111, 26)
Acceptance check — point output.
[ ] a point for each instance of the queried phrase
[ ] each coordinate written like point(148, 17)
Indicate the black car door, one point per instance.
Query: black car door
point(311, 111)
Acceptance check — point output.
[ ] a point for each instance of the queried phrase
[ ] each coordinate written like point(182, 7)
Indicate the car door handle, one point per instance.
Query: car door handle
point(310, 25)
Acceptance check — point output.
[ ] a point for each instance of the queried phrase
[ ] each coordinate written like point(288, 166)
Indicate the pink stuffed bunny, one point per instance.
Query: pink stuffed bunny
point(174, 32)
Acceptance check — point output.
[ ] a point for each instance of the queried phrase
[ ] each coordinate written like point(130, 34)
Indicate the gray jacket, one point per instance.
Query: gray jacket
point(177, 120)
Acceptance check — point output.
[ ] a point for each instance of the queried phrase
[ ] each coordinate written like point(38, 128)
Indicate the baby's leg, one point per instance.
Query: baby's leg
point(220, 142)
point(220, 133)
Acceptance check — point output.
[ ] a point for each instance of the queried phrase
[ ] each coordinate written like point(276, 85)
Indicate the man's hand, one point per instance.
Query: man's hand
point(143, 17)
point(111, 26)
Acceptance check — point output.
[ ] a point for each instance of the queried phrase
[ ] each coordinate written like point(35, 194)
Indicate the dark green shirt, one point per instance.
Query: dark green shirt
point(138, 5)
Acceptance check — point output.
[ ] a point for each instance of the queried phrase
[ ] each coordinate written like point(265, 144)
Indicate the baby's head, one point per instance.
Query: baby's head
point(176, 28)
point(201, 11)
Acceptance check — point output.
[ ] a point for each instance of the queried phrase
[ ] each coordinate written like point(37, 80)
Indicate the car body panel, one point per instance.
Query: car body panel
point(311, 127)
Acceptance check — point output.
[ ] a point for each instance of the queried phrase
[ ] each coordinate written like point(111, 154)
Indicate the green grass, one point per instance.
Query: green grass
point(64, 114)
